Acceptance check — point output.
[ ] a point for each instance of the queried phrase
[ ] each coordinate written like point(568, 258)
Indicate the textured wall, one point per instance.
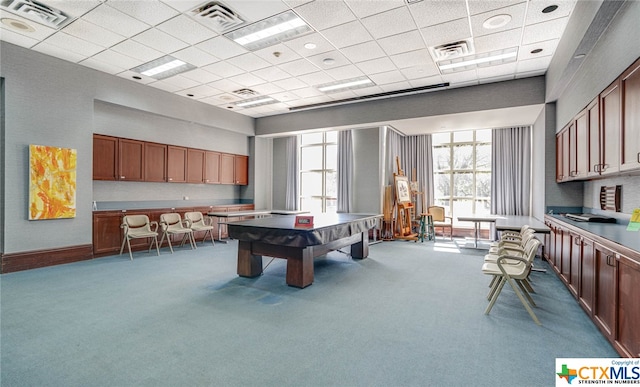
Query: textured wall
point(367, 185)
point(279, 173)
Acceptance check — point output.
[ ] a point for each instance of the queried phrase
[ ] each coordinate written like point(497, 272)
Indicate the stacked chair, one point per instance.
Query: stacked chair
point(510, 261)
point(197, 222)
point(172, 224)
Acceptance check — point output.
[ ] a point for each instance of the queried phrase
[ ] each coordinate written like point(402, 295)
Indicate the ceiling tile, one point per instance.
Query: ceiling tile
point(160, 41)
point(543, 31)
point(345, 72)
point(395, 86)
point(137, 50)
point(376, 66)
point(535, 15)
point(8, 35)
point(497, 71)
point(268, 89)
point(481, 6)
point(517, 19)
point(347, 34)
point(254, 10)
point(285, 96)
point(452, 31)
point(73, 44)
point(226, 85)
point(322, 45)
point(183, 5)
point(284, 54)
point(363, 52)
point(99, 65)
point(342, 95)
point(128, 74)
point(422, 71)
point(548, 48)
point(165, 86)
point(92, 33)
point(367, 8)
point(367, 91)
point(40, 32)
point(389, 23)
point(247, 80)
point(307, 92)
point(114, 20)
point(427, 81)
point(338, 60)
point(316, 78)
point(223, 69)
point(181, 81)
point(290, 84)
point(410, 59)
point(195, 56)
point(498, 41)
point(271, 74)
point(199, 92)
point(200, 75)
point(58, 52)
point(388, 77)
point(432, 12)
point(186, 29)
point(221, 47)
point(117, 59)
point(149, 12)
point(298, 67)
point(248, 62)
point(397, 44)
point(325, 14)
point(460, 76)
point(534, 64)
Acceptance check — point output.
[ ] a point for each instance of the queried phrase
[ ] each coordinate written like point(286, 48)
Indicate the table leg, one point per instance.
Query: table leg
point(475, 240)
point(360, 250)
point(249, 265)
point(300, 269)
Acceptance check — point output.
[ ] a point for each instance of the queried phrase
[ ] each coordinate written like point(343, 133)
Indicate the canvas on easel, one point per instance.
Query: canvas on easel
point(404, 207)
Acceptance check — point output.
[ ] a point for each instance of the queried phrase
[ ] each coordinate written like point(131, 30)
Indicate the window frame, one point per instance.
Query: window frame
point(324, 170)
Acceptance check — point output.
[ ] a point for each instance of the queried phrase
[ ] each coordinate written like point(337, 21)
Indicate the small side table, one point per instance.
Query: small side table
point(426, 227)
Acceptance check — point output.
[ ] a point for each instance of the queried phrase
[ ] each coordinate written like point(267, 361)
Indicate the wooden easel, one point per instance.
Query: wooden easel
point(404, 206)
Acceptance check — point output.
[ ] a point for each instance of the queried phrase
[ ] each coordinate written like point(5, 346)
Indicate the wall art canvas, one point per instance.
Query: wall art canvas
point(52, 182)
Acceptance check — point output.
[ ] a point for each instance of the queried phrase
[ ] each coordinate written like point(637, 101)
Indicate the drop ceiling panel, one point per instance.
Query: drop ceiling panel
point(325, 14)
point(39, 32)
point(247, 80)
point(93, 33)
point(160, 40)
point(498, 40)
point(363, 52)
point(105, 67)
point(195, 56)
point(186, 29)
point(543, 31)
point(452, 31)
point(404, 42)
point(17, 39)
point(277, 54)
point(137, 50)
point(299, 67)
point(271, 74)
point(379, 25)
point(223, 69)
point(345, 72)
point(248, 62)
point(376, 66)
point(481, 6)
point(347, 34)
point(516, 12)
point(114, 20)
point(221, 47)
point(201, 76)
point(117, 59)
point(410, 59)
point(548, 48)
point(59, 52)
point(73, 44)
point(149, 12)
point(430, 13)
point(367, 8)
point(387, 77)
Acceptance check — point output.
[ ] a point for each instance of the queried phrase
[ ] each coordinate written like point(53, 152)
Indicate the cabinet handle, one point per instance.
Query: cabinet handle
point(610, 260)
point(576, 241)
point(597, 167)
point(122, 177)
point(169, 179)
point(573, 173)
point(638, 157)
point(605, 166)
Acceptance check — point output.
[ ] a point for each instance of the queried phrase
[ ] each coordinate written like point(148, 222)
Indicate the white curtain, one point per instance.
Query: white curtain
point(511, 171)
point(291, 201)
point(345, 171)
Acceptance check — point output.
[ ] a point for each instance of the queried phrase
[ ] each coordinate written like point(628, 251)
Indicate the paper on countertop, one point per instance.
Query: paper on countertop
point(634, 222)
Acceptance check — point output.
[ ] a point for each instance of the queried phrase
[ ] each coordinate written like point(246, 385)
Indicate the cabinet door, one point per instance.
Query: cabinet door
point(176, 164)
point(628, 334)
point(155, 162)
point(575, 261)
point(580, 146)
point(105, 157)
point(565, 264)
point(630, 136)
point(560, 156)
point(131, 159)
point(212, 168)
point(241, 169)
point(587, 275)
point(107, 234)
point(610, 118)
point(604, 311)
point(227, 165)
point(195, 166)
point(594, 163)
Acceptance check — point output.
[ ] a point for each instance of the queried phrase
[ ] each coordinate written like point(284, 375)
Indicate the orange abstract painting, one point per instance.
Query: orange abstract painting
point(52, 182)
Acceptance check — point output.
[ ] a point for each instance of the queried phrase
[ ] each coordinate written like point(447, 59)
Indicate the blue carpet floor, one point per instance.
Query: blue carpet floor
point(412, 314)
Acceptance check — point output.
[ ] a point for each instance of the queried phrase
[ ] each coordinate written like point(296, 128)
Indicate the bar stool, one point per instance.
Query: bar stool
point(426, 227)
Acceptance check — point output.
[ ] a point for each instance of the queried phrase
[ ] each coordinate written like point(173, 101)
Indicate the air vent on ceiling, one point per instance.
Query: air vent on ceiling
point(218, 16)
point(452, 50)
point(37, 12)
point(246, 92)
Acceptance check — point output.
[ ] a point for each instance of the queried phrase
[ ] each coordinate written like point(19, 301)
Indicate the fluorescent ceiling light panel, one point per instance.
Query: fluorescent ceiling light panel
point(259, 101)
point(348, 84)
point(163, 67)
point(268, 32)
point(479, 60)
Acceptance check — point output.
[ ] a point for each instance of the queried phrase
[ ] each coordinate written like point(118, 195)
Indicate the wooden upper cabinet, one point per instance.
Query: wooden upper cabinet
point(176, 164)
point(594, 154)
point(563, 154)
point(227, 165)
point(105, 157)
point(580, 146)
point(195, 166)
point(630, 133)
point(155, 162)
point(610, 117)
point(241, 169)
point(212, 167)
point(130, 160)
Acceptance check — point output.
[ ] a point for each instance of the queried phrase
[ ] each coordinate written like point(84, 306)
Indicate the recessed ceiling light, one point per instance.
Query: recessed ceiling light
point(268, 32)
point(347, 84)
point(258, 101)
point(328, 61)
point(537, 50)
point(310, 46)
point(479, 60)
point(17, 25)
point(550, 9)
point(163, 67)
point(496, 21)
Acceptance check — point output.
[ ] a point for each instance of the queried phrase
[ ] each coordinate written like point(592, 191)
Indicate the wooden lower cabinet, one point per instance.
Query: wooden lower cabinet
point(107, 234)
point(604, 278)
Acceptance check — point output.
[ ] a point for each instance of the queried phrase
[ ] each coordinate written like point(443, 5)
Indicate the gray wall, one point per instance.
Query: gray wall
point(49, 101)
point(279, 173)
point(367, 184)
point(538, 161)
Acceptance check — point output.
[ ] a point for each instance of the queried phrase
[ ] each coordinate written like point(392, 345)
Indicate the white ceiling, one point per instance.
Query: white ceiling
point(385, 40)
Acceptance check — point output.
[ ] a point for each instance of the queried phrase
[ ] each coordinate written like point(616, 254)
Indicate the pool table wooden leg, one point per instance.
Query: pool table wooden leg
point(249, 265)
point(300, 269)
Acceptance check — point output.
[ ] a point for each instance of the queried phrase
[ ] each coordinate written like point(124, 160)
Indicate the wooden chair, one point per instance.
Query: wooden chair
point(441, 220)
point(138, 226)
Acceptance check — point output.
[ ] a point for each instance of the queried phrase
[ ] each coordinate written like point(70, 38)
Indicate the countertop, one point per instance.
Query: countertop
point(614, 232)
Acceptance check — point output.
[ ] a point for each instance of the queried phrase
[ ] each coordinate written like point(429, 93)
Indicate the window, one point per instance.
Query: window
point(318, 171)
point(462, 172)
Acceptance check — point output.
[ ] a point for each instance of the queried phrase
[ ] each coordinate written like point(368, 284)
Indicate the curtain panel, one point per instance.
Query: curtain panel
point(511, 171)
